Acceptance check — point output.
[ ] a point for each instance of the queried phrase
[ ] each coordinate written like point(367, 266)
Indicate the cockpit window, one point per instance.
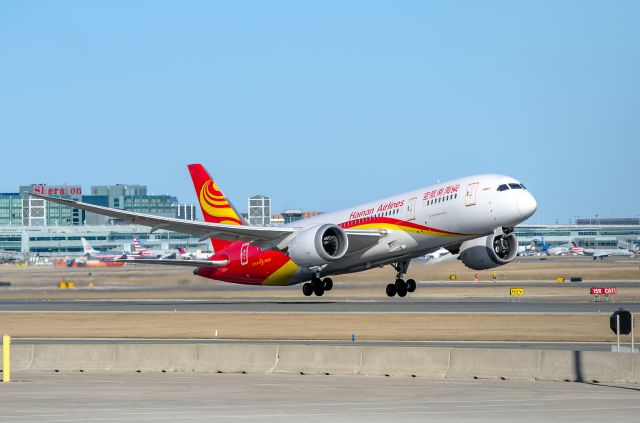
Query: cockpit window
point(523, 187)
point(503, 187)
point(515, 186)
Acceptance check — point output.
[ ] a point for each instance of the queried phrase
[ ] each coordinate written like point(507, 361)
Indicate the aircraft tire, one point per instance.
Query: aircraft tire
point(328, 284)
point(319, 291)
point(391, 290)
point(401, 285)
point(307, 289)
point(402, 292)
point(411, 285)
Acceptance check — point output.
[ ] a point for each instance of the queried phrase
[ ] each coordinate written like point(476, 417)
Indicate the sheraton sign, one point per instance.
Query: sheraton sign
point(57, 190)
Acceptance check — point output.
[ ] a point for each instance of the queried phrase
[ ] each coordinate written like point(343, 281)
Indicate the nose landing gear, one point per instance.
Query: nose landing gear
point(317, 286)
point(401, 287)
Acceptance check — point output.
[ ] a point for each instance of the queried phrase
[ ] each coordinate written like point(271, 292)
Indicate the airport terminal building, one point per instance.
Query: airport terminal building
point(32, 225)
point(587, 233)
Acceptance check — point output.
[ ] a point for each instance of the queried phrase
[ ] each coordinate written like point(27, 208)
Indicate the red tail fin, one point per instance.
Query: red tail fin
point(213, 203)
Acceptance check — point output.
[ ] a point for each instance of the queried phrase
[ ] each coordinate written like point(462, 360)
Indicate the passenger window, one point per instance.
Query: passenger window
point(503, 187)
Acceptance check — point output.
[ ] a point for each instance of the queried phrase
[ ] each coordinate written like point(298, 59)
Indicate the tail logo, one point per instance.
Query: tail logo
point(215, 204)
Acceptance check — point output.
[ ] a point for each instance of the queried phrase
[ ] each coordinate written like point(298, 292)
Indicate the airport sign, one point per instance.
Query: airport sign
point(516, 291)
point(604, 291)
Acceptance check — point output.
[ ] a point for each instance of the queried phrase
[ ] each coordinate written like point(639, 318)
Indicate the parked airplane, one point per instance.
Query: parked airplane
point(606, 252)
point(193, 255)
point(12, 256)
point(472, 216)
point(524, 249)
point(560, 250)
point(440, 255)
point(142, 252)
point(93, 254)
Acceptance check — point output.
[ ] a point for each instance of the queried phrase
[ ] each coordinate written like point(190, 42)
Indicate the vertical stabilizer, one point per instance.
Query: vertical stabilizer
point(215, 206)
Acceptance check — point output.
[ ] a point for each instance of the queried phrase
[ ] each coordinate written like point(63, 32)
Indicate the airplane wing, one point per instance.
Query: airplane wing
point(204, 230)
point(175, 262)
point(358, 239)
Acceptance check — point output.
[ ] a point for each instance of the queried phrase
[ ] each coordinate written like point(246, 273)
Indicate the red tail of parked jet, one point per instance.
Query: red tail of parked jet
point(213, 203)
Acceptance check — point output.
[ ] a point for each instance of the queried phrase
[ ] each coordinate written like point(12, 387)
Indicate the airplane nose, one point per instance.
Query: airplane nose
point(527, 205)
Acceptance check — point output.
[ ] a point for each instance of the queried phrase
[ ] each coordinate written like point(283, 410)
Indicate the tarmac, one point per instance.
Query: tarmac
point(315, 305)
point(199, 397)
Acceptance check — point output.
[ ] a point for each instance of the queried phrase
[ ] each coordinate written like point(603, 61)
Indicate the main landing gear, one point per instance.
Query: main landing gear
point(401, 287)
point(317, 286)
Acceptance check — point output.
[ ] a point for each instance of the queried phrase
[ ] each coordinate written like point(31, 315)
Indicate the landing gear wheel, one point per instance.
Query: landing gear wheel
point(411, 285)
point(307, 289)
point(402, 292)
point(328, 284)
point(318, 287)
point(391, 290)
point(401, 285)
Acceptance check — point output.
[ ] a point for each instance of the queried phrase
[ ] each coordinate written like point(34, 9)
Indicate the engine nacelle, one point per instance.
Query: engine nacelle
point(318, 245)
point(489, 251)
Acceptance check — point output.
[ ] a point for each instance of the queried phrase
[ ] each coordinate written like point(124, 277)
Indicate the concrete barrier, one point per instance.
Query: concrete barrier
point(586, 366)
point(236, 358)
point(72, 357)
point(21, 357)
point(318, 359)
point(405, 361)
point(155, 357)
point(493, 363)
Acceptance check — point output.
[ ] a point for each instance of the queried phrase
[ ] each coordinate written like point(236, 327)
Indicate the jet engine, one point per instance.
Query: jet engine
point(489, 251)
point(318, 245)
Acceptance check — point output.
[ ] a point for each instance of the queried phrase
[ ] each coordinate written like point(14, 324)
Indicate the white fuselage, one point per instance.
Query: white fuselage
point(421, 221)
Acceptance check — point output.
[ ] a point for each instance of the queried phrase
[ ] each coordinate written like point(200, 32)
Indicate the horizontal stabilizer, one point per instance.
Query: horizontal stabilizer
point(174, 262)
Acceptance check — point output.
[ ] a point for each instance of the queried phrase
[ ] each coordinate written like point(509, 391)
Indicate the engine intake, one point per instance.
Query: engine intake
point(318, 245)
point(489, 251)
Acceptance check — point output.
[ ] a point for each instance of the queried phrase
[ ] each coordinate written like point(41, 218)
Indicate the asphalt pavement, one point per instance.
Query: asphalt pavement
point(314, 305)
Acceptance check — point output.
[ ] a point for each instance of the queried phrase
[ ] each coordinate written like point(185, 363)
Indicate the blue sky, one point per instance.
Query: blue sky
point(327, 104)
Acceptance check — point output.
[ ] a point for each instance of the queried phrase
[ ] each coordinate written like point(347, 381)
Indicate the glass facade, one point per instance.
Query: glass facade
point(582, 235)
point(63, 240)
point(259, 210)
point(19, 210)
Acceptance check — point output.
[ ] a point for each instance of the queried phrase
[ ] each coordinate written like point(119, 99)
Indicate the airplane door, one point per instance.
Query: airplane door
point(470, 197)
point(244, 254)
point(411, 209)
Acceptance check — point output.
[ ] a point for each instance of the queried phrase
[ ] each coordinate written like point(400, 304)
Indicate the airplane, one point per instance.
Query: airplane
point(12, 256)
point(472, 216)
point(574, 249)
point(142, 252)
point(440, 255)
point(524, 249)
point(193, 255)
point(93, 254)
point(560, 250)
point(606, 252)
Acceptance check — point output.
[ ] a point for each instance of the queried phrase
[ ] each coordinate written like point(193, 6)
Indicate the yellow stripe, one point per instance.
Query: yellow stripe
point(395, 227)
point(283, 275)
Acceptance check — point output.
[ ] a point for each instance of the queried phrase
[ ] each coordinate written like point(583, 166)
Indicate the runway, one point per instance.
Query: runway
point(195, 397)
point(317, 306)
